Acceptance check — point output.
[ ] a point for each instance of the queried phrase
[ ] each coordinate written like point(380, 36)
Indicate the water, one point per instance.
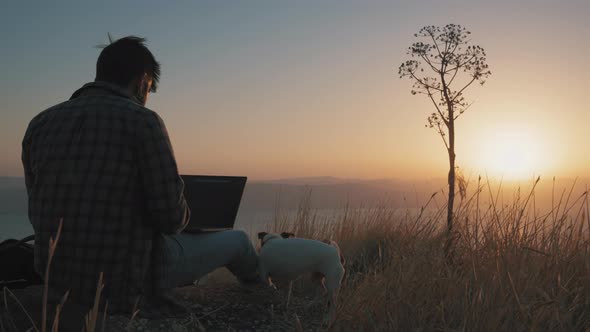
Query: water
point(14, 226)
point(251, 221)
point(17, 226)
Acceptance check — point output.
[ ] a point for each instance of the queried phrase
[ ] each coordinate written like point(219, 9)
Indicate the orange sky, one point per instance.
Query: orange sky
point(275, 91)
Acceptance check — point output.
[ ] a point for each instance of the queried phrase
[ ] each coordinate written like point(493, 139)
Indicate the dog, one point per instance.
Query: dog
point(318, 276)
point(285, 257)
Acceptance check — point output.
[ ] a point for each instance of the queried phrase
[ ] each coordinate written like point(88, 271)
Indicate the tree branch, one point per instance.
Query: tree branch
point(424, 84)
point(465, 87)
point(463, 111)
point(461, 64)
point(455, 48)
point(430, 64)
point(444, 60)
point(456, 68)
point(437, 108)
point(442, 135)
point(455, 74)
point(435, 44)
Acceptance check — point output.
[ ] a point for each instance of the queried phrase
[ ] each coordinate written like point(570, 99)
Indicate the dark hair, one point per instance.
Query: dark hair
point(126, 59)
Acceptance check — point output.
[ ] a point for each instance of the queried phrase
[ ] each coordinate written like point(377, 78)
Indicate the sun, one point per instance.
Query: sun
point(511, 153)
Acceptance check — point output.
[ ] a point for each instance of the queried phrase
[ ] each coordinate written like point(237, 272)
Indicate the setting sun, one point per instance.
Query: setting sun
point(511, 153)
point(304, 165)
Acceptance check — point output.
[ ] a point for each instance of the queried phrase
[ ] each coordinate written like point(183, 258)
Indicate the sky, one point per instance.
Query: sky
point(279, 89)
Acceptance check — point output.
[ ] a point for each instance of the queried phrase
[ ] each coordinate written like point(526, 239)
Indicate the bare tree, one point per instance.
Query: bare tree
point(443, 65)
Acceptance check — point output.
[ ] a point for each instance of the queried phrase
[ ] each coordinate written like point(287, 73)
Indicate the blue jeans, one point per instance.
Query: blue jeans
point(183, 258)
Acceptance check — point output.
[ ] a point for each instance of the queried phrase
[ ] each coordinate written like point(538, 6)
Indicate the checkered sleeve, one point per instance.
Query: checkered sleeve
point(26, 150)
point(164, 199)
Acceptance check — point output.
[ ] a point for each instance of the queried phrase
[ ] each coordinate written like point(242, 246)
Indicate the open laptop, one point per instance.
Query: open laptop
point(213, 200)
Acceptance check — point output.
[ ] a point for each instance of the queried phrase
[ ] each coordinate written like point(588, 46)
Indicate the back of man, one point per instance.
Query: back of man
point(103, 165)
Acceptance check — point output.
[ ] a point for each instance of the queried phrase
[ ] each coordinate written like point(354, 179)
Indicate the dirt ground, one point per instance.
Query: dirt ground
point(221, 304)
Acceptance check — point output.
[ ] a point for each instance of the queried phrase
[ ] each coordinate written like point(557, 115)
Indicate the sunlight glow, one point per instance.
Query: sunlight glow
point(512, 153)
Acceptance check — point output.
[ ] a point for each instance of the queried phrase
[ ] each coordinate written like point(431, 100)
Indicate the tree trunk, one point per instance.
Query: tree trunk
point(449, 246)
point(451, 181)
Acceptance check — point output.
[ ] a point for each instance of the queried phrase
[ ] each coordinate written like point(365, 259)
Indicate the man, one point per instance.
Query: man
point(103, 165)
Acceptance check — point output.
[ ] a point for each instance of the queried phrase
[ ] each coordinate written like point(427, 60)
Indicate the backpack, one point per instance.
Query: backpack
point(17, 264)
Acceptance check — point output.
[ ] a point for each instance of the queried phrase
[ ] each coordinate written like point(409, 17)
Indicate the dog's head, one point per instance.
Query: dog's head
point(264, 237)
point(287, 235)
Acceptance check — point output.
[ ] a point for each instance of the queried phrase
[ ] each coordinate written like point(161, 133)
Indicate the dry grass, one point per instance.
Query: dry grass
point(516, 267)
point(90, 320)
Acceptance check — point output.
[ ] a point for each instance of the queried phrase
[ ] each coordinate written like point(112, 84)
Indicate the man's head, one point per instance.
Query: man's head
point(128, 63)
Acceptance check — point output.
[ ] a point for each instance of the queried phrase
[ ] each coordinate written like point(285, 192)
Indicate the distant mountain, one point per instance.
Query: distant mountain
point(312, 181)
point(400, 185)
point(267, 196)
point(331, 192)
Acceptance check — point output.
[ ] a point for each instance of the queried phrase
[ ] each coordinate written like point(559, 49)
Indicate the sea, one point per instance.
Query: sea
point(14, 226)
point(17, 226)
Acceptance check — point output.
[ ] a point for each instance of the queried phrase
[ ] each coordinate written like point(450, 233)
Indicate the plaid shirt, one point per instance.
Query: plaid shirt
point(105, 165)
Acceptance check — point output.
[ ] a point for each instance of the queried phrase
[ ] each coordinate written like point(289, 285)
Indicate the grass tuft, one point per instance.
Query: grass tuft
point(518, 265)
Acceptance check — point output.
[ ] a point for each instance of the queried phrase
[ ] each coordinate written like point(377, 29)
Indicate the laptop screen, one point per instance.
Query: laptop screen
point(213, 200)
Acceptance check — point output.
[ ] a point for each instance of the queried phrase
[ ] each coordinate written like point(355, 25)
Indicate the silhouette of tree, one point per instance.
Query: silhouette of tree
point(443, 65)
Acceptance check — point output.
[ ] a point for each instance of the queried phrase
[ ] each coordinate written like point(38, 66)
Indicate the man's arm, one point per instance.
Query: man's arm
point(167, 210)
point(26, 159)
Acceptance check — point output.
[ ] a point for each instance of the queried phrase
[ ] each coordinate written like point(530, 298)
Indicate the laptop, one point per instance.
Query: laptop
point(213, 200)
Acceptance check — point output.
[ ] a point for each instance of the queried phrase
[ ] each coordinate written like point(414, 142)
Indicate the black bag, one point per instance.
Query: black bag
point(17, 264)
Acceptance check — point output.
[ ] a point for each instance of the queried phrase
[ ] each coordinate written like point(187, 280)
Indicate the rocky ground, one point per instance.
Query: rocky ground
point(231, 307)
point(220, 305)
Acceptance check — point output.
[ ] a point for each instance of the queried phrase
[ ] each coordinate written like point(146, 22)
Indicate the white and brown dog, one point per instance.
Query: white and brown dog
point(285, 257)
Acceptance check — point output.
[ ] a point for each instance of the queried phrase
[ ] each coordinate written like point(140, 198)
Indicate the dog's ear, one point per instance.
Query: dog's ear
point(261, 235)
point(287, 235)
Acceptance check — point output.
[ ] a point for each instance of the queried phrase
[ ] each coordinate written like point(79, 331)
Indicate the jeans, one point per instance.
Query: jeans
point(185, 257)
